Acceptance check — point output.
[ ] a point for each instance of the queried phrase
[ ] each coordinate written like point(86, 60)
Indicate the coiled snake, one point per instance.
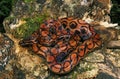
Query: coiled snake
point(63, 42)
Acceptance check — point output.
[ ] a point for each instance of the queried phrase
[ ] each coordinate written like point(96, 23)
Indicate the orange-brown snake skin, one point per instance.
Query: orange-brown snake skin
point(63, 43)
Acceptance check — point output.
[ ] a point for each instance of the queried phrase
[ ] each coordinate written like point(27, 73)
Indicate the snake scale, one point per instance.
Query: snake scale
point(63, 42)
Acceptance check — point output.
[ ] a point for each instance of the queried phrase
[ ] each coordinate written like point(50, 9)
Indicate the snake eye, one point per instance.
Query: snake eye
point(31, 38)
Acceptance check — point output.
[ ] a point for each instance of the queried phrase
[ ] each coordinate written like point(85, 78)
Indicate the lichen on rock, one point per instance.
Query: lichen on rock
point(6, 53)
point(27, 15)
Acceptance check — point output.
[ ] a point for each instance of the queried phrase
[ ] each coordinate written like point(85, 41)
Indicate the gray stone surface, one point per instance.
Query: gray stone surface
point(100, 64)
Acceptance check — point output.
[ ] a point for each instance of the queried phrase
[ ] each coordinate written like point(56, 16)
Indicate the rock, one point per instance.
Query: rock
point(95, 57)
point(6, 75)
point(114, 57)
point(114, 44)
point(87, 70)
point(103, 75)
point(6, 53)
point(27, 15)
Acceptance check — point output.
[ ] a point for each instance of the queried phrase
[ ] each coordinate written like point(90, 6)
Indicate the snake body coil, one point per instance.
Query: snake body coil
point(63, 43)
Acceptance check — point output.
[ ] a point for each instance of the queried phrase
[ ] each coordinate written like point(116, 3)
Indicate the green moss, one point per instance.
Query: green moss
point(31, 25)
point(83, 67)
point(74, 75)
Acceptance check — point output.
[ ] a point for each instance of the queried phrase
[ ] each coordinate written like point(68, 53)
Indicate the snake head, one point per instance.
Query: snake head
point(29, 40)
point(85, 32)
